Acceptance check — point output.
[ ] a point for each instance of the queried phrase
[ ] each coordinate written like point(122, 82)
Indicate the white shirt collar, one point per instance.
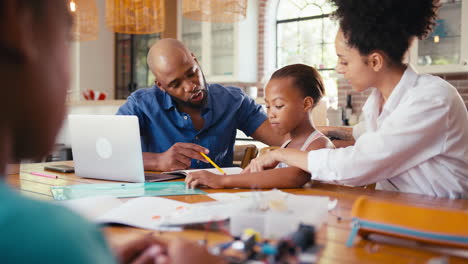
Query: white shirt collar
point(372, 105)
point(406, 83)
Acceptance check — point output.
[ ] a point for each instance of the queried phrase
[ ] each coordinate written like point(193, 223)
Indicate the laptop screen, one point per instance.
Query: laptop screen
point(107, 147)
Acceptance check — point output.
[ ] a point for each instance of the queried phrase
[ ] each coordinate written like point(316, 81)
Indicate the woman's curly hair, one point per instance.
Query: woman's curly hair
point(385, 25)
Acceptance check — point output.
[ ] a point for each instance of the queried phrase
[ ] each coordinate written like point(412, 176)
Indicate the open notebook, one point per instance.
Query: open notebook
point(143, 212)
point(160, 213)
point(152, 212)
point(184, 173)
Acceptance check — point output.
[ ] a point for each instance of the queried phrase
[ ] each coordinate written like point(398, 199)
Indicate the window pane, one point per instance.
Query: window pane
point(222, 48)
point(288, 44)
point(310, 37)
point(310, 42)
point(288, 9)
point(330, 27)
point(329, 78)
point(329, 58)
point(316, 8)
point(191, 37)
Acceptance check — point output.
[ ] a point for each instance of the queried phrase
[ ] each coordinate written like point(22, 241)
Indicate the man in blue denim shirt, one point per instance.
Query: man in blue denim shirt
point(182, 115)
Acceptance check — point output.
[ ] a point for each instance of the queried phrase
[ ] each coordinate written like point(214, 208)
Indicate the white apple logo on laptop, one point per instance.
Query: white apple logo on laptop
point(103, 148)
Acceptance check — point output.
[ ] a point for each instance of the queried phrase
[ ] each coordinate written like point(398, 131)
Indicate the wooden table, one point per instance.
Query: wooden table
point(332, 236)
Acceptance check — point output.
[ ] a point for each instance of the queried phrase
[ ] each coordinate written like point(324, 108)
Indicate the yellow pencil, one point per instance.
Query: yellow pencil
point(212, 163)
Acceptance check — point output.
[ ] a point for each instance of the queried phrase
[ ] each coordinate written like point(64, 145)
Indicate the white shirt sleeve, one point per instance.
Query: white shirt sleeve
point(413, 133)
point(359, 129)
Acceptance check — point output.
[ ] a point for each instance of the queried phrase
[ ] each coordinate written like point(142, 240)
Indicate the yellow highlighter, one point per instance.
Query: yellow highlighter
point(212, 163)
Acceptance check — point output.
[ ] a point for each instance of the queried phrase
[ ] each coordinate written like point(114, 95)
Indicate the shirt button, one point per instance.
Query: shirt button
point(197, 138)
point(185, 117)
point(198, 162)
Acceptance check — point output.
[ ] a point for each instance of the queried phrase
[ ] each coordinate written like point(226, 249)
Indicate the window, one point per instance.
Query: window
point(132, 71)
point(305, 33)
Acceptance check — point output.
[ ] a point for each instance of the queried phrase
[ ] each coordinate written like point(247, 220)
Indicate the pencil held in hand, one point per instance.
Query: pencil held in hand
point(212, 163)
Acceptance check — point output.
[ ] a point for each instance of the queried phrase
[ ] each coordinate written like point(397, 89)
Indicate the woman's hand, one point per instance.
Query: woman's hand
point(267, 161)
point(205, 178)
point(292, 157)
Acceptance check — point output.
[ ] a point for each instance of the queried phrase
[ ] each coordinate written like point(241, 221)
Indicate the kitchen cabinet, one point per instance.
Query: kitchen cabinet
point(445, 50)
point(227, 52)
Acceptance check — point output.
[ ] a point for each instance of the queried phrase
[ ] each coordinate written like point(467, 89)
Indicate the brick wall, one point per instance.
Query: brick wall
point(357, 99)
point(459, 81)
point(262, 5)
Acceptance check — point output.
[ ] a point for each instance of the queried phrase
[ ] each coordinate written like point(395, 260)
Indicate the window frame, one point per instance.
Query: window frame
point(291, 20)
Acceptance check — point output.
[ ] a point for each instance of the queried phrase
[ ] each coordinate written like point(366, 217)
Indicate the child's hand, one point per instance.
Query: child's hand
point(204, 178)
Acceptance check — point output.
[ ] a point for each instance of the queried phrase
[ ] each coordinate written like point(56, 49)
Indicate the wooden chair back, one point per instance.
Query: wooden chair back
point(243, 154)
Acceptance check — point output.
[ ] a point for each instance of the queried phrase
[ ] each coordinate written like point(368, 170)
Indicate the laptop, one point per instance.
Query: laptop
point(108, 147)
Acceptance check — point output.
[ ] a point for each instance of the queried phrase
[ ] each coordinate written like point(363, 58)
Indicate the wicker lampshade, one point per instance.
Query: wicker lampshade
point(85, 20)
point(226, 11)
point(135, 16)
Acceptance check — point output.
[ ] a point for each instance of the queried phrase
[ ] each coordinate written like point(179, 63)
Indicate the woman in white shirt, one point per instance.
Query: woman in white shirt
point(414, 136)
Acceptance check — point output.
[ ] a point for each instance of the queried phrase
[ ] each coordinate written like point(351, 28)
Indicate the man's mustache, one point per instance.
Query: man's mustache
point(196, 92)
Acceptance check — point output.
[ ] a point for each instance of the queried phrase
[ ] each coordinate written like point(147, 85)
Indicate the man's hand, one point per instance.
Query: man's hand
point(178, 157)
point(205, 178)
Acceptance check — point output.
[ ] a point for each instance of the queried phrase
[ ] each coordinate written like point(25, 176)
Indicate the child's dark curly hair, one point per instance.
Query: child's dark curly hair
point(306, 78)
point(385, 25)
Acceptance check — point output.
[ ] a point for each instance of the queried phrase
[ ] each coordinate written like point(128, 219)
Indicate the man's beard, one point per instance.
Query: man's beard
point(199, 105)
point(189, 104)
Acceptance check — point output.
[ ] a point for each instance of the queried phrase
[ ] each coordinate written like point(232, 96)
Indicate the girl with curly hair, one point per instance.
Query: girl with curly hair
point(414, 136)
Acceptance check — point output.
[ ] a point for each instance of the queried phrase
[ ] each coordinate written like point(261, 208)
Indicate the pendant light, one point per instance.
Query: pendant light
point(222, 11)
point(135, 16)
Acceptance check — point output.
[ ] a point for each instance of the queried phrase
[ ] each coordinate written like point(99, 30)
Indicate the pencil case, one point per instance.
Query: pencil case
point(431, 225)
